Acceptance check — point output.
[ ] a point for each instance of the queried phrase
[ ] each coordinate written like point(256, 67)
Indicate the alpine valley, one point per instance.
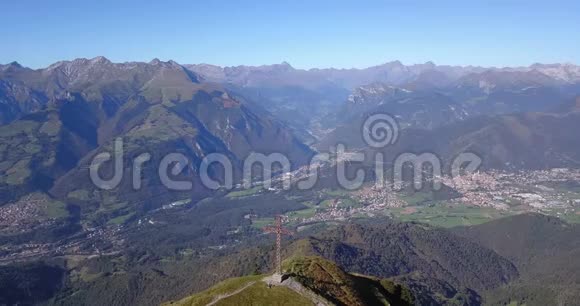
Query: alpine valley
point(507, 234)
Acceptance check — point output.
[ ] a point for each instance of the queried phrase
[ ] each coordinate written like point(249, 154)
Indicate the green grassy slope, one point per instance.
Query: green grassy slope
point(329, 281)
point(318, 275)
point(248, 290)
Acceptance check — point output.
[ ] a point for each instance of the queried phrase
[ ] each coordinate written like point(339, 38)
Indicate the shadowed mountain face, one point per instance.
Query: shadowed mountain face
point(18, 282)
point(430, 261)
point(544, 249)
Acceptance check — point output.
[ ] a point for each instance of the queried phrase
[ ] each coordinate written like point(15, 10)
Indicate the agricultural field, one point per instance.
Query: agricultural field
point(447, 215)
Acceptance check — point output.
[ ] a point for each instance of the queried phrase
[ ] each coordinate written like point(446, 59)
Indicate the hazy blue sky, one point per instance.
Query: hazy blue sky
point(305, 33)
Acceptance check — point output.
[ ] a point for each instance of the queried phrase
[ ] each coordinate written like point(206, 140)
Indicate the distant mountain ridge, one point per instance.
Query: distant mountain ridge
point(70, 75)
point(393, 72)
point(315, 101)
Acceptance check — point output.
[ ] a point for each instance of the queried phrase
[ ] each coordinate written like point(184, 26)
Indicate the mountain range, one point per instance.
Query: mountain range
point(55, 120)
point(60, 117)
point(150, 245)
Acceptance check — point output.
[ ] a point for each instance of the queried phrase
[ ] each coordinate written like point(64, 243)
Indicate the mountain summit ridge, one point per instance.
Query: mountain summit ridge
point(309, 280)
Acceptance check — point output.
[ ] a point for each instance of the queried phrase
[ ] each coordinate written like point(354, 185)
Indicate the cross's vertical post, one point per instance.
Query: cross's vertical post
point(279, 245)
point(279, 231)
